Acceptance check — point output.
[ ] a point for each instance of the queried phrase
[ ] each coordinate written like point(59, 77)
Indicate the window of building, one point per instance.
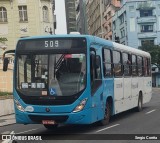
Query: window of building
point(109, 13)
point(3, 14)
point(131, 8)
point(146, 28)
point(123, 42)
point(117, 63)
point(23, 17)
point(121, 19)
point(45, 14)
point(147, 42)
point(122, 33)
point(145, 13)
point(107, 63)
point(114, 25)
point(105, 17)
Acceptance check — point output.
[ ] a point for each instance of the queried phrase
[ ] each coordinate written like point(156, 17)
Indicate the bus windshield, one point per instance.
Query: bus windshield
point(51, 74)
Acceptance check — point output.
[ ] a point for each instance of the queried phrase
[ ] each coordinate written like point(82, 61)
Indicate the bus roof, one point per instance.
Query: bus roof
point(97, 40)
point(124, 48)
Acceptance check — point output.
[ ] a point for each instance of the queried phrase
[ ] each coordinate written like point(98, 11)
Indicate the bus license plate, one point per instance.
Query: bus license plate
point(48, 122)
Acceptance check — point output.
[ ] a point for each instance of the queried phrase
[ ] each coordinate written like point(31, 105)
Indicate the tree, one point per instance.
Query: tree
point(3, 40)
point(154, 50)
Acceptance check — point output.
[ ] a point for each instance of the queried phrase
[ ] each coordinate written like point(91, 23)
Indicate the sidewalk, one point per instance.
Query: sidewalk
point(7, 120)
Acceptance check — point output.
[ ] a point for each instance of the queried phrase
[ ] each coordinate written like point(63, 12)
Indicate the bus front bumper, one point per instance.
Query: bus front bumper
point(82, 117)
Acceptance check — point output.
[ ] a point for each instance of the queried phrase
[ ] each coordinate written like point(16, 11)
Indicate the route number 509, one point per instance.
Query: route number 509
point(51, 43)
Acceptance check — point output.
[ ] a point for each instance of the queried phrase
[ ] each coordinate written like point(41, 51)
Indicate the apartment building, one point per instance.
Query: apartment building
point(81, 19)
point(94, 13)
point(137, 22)
point(110, 7)
point(70, 15)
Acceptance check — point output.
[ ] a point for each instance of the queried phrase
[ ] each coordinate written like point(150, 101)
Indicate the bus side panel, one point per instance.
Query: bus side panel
point(135, 86)
point(127, 93)
point(147, 93)
point(118, 95)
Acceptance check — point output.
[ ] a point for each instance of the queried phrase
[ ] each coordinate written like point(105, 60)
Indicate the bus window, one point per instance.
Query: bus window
point(107, 63)
point(140, 65)
point(145, 60)
point(95, 70)
point(117, 63)
point(134, 65)
point(31, 71)
point(147, 67)
point(126, 64)
point(69, 73)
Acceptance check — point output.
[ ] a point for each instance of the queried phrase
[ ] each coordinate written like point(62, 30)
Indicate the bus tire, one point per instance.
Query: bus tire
point(140, 102)
point(51, 127)
point(107, 115)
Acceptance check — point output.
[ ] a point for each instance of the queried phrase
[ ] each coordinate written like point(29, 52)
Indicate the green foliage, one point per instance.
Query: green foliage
point(154, 50)
point(5, 93)
point(3, 40)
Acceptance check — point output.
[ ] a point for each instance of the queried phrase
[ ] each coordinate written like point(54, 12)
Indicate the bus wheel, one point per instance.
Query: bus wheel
point(140, 103)
point(107, 115)
point(51, 127)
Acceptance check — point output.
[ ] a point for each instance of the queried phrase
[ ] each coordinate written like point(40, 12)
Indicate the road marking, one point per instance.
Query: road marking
point(27, 131)
point(107, 128)
point(151, 111)
point(6, 132)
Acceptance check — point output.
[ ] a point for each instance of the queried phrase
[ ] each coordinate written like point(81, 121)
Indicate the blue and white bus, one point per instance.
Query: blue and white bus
point(77, 79)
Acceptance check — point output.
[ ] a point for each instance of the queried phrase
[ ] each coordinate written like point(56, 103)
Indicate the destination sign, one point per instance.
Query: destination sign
point(51, 43)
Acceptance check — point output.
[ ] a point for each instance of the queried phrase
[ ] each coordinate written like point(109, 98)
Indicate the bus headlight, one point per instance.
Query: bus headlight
point(19, 106)
point(80, 106)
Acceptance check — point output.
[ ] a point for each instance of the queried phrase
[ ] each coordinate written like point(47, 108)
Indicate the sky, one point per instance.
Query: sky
point(60, 16)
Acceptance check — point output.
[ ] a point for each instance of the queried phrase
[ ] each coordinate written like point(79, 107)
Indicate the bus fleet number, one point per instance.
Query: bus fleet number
point(51, 43)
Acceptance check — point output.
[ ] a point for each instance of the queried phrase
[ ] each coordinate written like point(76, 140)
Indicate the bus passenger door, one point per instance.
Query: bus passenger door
point(96, 86)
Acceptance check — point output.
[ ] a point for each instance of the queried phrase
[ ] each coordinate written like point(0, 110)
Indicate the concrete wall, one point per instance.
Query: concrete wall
point(6, 79)
point(6, 106)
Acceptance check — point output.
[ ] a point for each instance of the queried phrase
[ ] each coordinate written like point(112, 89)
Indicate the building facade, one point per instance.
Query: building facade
point(111, 6)
point(81, 21)
point(137, 23)
point(21, 18)
point(70, 15)
point(94, 13)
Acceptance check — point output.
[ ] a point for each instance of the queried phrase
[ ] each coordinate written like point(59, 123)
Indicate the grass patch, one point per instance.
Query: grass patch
point(6, 95)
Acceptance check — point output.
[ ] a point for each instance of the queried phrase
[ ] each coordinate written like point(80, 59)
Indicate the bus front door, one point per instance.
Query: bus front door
point(96, 86)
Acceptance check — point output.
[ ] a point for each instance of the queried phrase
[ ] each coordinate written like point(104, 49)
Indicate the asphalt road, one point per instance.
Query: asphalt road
point(131, 122)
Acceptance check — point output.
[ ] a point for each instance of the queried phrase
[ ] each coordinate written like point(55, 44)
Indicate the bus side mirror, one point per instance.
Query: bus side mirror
point(5, 64)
